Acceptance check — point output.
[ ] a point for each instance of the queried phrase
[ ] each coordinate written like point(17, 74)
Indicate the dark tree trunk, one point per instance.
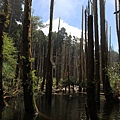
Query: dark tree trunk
point(58, 57)
point(44, 73)
point(90, 77)
point(17, 66)
point(105, 78)
point(97, 62)
point(49, 57)
point(80, 69)
point(117, 15)
point(68, 63)
point(86, 42)
point(81, 56)
point(2, 20)
point(27, 81)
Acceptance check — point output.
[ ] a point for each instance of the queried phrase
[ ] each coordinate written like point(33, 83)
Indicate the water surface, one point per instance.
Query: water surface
point(63, 107)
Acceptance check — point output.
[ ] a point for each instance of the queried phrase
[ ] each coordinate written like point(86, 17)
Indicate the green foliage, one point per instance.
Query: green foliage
point(114, 76)
point(9, 57)
point(35, 80)
point(37, 22)
point(66, 82)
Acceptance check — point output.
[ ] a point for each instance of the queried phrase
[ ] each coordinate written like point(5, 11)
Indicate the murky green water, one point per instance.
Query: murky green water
point(63, 107)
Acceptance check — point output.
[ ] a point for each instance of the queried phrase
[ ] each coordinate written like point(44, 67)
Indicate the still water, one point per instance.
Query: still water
point(63, 107)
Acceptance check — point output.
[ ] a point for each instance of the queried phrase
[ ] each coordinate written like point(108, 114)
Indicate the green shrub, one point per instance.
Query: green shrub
point(114, 75)
point(9, 58)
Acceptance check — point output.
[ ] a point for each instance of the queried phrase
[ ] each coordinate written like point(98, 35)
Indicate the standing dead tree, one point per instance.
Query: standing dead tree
point(97, 61)
point(104, 64)
point(49, 58)
point(2, 20)
point(117, 15)
point(90, 77)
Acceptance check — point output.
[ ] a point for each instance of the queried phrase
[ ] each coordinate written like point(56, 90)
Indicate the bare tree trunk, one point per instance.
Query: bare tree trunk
point(86, 43)
point(82, 52)
point(90, 77)
point(2, 20)
point(49, 57)
point(75, 61)
point(97, 59)
point(58, 57)
point(81, 57)
point(18, 66)
point(105, 78)
point(118, 23)
point(44, 73)
point(27, 81)
point(110, 48)
point(68, 62)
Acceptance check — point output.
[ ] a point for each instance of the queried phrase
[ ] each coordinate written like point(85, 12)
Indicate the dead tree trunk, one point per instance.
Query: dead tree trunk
point(49, 57)
point(58, 57)
point(105, 78)
point(97, 61)
point(81, 57)
point(27, 81)
point(2, 20)
point(117, 15)
point(90, 77)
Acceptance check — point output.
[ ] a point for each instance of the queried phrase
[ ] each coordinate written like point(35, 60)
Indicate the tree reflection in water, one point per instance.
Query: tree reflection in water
point(63, 107)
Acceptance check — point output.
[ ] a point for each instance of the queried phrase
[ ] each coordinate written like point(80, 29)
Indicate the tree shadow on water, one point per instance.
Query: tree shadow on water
point(38, 116)
point(107, 110)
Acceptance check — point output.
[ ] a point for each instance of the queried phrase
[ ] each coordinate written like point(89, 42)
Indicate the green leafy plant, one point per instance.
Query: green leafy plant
point(114, 75)
point(35, 80)
point(9, 58)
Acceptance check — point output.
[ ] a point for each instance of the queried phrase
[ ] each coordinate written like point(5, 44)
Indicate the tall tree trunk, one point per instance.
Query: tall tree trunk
point(117, 14)
point(110, 48)
point(49, 57)
point(27, 81)
point(68, 62)
point(97, 62)
point(86, 43)
point(63, 61)
point(105, 78)
point(2, 20)
point(75, 61)
point(81, 57)
point(58, 57)
point(90, 77)
point(82, 52)
point(18, 66)
point(44, 73)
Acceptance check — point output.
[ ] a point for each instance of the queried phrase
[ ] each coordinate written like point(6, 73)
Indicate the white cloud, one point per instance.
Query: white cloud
point(65, 9)
point(69, 29)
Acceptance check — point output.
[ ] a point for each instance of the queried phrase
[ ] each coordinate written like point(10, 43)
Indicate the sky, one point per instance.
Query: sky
point(70, 13)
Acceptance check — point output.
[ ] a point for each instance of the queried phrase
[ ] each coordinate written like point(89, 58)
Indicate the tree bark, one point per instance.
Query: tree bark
point(2, 20)
point(97, 62)
point(117, 15)
point(49, 58)
point(90, 77)
point(105, 78)
point(27, 81)
point(81, 57)
point(58, 57)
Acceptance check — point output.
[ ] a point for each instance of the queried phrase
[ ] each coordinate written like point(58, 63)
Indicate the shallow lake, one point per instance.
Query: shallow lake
point(63, 107)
